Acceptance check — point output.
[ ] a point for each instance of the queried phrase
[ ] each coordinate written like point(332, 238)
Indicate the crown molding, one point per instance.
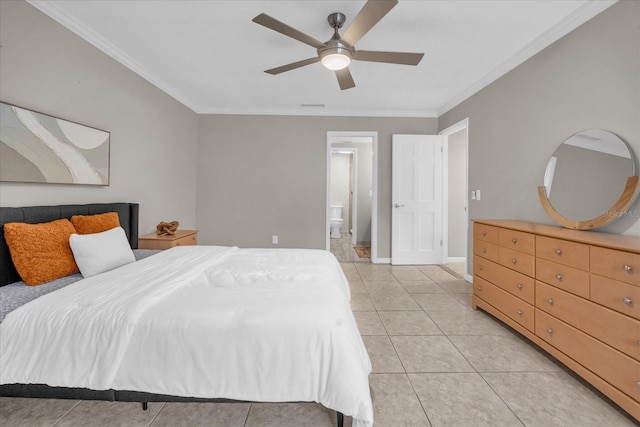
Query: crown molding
point(555, 33)
point(56, 13)
point(318, 112)
point(582, 15)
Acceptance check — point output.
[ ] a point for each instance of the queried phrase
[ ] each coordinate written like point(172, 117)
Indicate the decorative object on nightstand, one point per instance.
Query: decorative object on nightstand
point(179, 238)
point(167, 228)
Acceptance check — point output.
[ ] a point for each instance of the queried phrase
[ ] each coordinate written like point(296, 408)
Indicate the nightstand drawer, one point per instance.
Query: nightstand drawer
point(181, 238)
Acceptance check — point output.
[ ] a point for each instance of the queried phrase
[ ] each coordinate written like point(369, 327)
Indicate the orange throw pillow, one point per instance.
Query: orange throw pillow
point(41, 252)
point(90, 224)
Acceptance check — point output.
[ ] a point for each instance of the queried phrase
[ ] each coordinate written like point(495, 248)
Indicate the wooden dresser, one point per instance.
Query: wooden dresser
point(574, 293)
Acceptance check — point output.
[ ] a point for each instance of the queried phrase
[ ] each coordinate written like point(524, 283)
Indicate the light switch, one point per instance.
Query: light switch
point(473, 195)
point(478, 196)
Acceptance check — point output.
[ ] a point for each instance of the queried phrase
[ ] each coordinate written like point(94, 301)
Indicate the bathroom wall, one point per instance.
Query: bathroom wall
point(340, 168)
point(457, 194)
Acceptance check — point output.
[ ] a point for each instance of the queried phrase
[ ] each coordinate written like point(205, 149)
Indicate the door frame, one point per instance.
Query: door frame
point(331, 136)
point(454, 128)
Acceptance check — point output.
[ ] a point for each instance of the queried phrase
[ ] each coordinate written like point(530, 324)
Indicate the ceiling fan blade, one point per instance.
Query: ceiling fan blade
point(404, 58)
point(292, 66)
point(372, 12)
point(344, 78)
point(282, 28)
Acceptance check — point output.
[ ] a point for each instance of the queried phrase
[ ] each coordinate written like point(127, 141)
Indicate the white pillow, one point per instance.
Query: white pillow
point(100, 252)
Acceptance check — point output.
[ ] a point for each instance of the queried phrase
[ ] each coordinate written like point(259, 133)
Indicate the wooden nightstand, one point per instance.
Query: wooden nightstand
point(181, 238)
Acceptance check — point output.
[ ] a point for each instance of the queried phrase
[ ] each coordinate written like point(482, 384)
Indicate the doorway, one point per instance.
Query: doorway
point(359, 206)
point(456, 177)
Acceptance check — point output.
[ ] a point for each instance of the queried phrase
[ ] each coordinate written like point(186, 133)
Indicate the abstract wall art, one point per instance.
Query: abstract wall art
point(36, 147)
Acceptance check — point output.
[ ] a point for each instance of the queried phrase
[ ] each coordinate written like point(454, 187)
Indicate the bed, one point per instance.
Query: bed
point(220, 323)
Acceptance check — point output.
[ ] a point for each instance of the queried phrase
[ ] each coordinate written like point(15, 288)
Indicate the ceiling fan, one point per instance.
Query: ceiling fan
point(336, 53)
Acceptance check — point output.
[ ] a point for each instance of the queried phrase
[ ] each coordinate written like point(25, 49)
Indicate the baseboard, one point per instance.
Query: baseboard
point(456, 259)
point(469, 278)
point(381, 260)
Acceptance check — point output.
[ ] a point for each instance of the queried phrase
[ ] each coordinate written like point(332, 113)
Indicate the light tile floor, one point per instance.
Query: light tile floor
point(436, 362)
point(342, 248)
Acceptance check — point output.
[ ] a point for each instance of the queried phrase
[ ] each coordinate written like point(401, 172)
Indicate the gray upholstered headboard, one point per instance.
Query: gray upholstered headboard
point(128, 213)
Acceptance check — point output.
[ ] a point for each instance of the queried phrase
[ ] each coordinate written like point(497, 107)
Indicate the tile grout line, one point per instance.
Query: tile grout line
point(66, 413)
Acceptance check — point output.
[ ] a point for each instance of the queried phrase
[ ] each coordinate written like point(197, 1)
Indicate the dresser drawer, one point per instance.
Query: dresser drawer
point(511, 306)
point(619, 265)
point(563, 277)
point(616, 368)
point(517, 240)
point(511, 281)
point(563, 252)
point(619, 296)
point(518, 261)
point(485, 249)
point(619, 331)
point(487, 233)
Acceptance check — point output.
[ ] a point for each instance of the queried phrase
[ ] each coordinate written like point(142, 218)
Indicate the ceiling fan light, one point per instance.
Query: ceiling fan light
point(336, 61)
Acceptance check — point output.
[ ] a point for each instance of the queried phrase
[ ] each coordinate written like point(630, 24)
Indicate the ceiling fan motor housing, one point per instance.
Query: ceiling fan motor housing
point(335, 46)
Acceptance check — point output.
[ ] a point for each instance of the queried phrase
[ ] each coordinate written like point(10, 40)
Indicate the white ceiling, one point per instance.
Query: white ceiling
point(210, 56)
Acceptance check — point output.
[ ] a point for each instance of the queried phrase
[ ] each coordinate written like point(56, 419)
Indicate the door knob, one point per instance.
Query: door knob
point(398, 206)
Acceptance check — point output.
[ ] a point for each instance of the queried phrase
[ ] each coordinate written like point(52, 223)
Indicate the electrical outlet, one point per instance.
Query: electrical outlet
point(274, 240)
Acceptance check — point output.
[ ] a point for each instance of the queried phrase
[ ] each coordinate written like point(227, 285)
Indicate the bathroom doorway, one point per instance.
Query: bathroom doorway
point(352, 194)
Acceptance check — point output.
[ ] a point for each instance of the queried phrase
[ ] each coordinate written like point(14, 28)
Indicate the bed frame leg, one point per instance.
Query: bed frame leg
point(145, 406)
point(340, 419)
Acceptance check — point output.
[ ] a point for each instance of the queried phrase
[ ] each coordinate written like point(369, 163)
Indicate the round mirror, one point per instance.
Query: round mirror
point(589, 180)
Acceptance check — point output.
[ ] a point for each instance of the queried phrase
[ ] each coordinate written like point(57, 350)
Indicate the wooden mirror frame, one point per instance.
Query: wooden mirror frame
point(631, 190)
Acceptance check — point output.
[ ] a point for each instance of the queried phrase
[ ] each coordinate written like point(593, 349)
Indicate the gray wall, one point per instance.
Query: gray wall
point(588, 79)
point(265, 175)
point(47, 68)
point(457, 194)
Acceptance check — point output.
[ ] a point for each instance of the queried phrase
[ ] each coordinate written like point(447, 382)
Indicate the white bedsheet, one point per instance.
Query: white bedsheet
point(202, 321)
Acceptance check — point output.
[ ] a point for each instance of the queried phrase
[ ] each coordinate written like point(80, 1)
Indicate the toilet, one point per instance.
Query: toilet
point(335, 221)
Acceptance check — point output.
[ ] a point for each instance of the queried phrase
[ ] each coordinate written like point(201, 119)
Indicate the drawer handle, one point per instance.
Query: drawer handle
point(559, 277)
point(627, 301)
point(479, 267)
point(520, 286)
point(638, 342)
point(549, 331)
point(558, 251)
point(513, 260)
point(484, 233)
point(550, 301)
point(514, 240)
point(484, 250)
point(519, 312)
point(479, 288)
point(627, 268)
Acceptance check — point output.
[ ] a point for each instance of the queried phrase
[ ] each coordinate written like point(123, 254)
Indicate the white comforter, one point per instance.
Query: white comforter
point(211, 322)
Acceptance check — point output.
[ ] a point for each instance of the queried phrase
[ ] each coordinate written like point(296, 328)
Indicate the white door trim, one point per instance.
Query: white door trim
point(331, 135)
point(456, 127)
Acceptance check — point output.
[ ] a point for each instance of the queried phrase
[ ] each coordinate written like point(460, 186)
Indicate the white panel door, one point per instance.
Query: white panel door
point(417, 199)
